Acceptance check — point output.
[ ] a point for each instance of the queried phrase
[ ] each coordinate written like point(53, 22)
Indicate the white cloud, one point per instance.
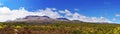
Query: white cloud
point(77, 16)
point(67, 12)
point(114, 19)
point(117, 15)
point(48, 12)
point(7, 14)
point(76, 9)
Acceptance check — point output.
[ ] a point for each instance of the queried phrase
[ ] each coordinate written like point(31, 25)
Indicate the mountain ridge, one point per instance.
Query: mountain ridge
point(46, 19)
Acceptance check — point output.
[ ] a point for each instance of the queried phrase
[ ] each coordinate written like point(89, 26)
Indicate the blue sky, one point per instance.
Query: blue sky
point(92, 8)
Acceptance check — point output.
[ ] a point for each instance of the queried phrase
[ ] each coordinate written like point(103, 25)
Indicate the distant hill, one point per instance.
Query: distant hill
point(63, 19)
point(46, 19)
point(34, 18)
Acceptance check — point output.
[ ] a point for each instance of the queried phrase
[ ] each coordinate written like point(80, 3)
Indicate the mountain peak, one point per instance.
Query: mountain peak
point(36, 17)
point(63, 19)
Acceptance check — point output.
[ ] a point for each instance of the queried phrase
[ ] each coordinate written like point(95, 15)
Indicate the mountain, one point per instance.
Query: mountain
point(77, 21)
point(35, 18)
point(46, 19)
point(40, 18)
point(62, 19)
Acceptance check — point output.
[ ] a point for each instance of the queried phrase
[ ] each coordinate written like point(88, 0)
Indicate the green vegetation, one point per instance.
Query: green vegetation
point(58, 28)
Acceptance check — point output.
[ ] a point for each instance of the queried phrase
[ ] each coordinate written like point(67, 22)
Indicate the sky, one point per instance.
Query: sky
point(84, 10)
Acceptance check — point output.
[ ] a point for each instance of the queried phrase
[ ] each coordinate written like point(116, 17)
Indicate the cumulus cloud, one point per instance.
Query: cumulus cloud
point(66, 12)
point(77, 16)
point(7, 14)
point(117, 15)
point(48, 12)
point(114, 19)
point(76, 9)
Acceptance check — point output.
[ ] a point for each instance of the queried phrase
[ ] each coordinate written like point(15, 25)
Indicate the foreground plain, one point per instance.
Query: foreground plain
point(58, 28)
